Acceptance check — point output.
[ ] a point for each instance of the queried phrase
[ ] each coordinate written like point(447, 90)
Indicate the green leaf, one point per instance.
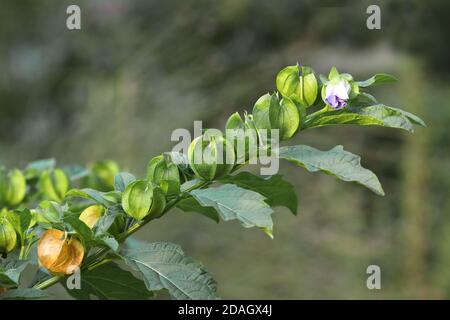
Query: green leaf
point(411, 117)
point(107, 220)
point(107, 241)
point(379, 115)
point(76, 172)
point(233, 202)
point(333, 73)
point(379, 78)
point(190, 184)
point(336, 162)
point(122, 180)
point(21, 294)
point(165, 266)
point(90, 194)
point(21, 221)
point(80, 227)
point(51, 211)
point(278, 192)
point(35, 168)
point(110, 282)
point(192, 205)
point(10, 272)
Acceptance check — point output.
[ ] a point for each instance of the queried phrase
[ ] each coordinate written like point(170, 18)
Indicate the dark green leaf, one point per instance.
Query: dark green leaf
point(51, 211)
point(22, 294)
point(122, 180)
point(164, 266)
point(336, 162)
point(233, 202)
point(90, 194)
point(106, 221)
point(110, 282)
point(110, 242)
point(379, 115)
point(80, 227)
point(76, 172)
point(192, 205)
point(190, 184)
point(10, 272)
point(278, 192)
point(377, 79)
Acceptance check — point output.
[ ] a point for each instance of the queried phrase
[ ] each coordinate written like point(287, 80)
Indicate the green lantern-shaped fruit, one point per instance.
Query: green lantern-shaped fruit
point(92, 214)
point(142, 200)
point(102, 175)
point(12, 187)
point(299, 84)
point(163, 172)
point(244, 137)
point(271, 113)
point(54, 185)
point(8, 237)
point(211, 156)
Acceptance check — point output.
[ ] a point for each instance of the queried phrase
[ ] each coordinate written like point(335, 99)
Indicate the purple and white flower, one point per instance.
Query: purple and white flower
point(336, 94)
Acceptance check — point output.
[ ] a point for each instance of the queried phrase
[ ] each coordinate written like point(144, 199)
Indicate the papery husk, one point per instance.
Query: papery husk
point(92, 214)
point(59, 254)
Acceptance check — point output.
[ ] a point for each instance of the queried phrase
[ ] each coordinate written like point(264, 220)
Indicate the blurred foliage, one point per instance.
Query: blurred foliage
point(139, 69)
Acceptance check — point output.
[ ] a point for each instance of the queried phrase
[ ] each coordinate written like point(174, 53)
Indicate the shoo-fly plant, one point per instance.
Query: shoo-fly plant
point(81, 220)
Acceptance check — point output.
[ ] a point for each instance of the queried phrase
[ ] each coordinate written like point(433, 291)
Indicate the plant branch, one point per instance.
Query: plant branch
point(97, 257)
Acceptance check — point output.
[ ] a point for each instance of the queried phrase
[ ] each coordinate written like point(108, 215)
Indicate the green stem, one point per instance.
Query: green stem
point(48, 283)
point(97, 257)
point(22, 252)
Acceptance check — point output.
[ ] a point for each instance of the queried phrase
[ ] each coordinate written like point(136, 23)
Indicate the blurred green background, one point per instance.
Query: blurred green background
point(139, 69)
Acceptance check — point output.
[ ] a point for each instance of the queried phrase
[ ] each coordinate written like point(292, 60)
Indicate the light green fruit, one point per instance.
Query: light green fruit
point(54, 185)
point(8, 237)
point(140, 200)
point(92, 214)
point(240, 131)
point(12, 187)
point(164, 173)
point(211, 157)
point(299, 84)
point(271, 113)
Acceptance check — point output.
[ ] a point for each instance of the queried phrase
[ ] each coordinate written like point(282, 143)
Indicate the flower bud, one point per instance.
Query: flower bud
point(211, 156)
point(164, 173)
point(54, 185)
point(271, 113)
point(12, 187)
point(140, 199)
point(299, 84)
point(92, 214)
point(8, 237)
point(58, 253)
point(338, 89)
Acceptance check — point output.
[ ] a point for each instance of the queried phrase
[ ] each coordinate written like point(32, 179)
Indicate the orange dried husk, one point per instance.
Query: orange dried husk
point(59, 254)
